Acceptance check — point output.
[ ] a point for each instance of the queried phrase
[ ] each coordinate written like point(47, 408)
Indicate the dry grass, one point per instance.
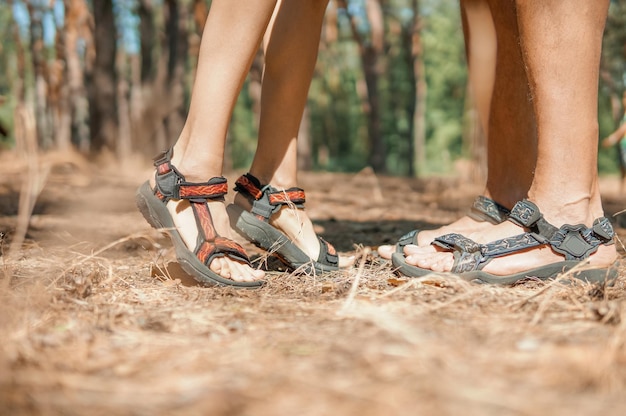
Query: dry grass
point(96, 319)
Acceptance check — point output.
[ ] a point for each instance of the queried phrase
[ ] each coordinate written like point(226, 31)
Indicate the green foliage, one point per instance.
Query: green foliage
point(338, 124)
point(243, 131)
point(446, 76)
point(7, 72)
point(612, 82)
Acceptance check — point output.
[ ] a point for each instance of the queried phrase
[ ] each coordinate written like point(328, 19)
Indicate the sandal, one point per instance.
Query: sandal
point(171, 184)
point(267, 201)
point(575, 242)
point(483, 209)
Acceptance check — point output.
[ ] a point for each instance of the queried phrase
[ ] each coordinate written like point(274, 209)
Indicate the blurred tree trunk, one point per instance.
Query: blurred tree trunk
point(159, 100)
point(44, 132)
point(370, 51)
point(66, 80)
point(102, 81)
point(419, 75)
point(58, 96)
point(178, 47)
point(78, 27)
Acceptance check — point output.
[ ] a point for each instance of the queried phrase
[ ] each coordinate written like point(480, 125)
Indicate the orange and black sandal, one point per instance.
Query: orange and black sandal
point(267, 201)
point(171, 185)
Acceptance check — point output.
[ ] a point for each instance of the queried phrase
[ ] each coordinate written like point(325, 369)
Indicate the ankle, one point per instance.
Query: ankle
point(195, 170)
point(275, 179)
point(568, 210)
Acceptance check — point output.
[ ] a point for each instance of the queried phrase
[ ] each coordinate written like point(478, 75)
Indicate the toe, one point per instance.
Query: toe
point(386, 251)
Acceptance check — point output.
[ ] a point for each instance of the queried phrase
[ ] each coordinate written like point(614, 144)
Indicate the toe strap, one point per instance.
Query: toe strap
point(328, 255)
point(407, 239)
point(221, 247)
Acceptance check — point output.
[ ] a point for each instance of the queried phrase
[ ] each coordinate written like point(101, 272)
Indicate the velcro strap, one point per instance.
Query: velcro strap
point(205, 190)
point(250, 185)
point(603, 229)
point(172, 184)
point(525, 214)
point(486, 209)
point(288, 196)
point(268, 200)
point(456, 241)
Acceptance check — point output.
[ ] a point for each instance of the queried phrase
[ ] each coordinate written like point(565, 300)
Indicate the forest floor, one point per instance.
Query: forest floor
point(96, 318)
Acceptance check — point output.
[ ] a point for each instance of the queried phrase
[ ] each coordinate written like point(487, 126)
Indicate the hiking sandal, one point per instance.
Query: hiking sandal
point(483, 209)
point(267, 201)
point(575, 242)
point(171, 185)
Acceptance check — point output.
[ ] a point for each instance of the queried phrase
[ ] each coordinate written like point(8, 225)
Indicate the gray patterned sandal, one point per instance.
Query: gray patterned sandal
point(483, 210)
point(255, 226)
point(171, 184)
point(575, 242)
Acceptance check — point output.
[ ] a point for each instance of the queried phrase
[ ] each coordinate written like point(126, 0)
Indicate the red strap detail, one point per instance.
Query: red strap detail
point(163, 168)
point(159, 195)
point(294, 195)
point(207, 191)
point(205, 251)
point(205, 220)
point(221, 245)
point(249, 186)
point(230, 245)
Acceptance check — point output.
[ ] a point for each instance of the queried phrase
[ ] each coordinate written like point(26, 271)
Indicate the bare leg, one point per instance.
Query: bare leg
point(561, 44)
point(231, 37)
point(290, 58)
point(503, 107)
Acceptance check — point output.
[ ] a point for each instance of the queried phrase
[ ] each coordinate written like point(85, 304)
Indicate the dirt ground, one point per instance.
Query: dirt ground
point(97, 319)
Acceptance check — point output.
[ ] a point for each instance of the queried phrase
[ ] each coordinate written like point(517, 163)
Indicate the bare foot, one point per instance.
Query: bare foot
point(297, 226)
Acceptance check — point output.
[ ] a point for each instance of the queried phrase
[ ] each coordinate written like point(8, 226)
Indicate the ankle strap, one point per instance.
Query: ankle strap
point(171, 184)
point(573, 241)
point(267, 200)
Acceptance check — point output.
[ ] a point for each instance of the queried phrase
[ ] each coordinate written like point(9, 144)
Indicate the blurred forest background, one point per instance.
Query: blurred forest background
point(390, 89)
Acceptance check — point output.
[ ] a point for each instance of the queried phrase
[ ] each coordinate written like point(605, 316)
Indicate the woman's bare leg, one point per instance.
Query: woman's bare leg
point(230, 40)
point(290, 57)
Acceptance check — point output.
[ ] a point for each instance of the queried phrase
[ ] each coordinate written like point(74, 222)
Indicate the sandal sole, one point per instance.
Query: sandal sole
point(273, 241)
point(550, 271)
point(156, 214)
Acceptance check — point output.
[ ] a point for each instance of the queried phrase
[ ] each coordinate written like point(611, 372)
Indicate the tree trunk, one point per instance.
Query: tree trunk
point(78, 26)
point(42, 125)
point(421, 90)
point(178, 47)
point(370, 53)
point(102, 83)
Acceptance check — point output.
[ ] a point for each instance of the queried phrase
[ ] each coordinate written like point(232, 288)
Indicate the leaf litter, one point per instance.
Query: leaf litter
point(98, 318)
